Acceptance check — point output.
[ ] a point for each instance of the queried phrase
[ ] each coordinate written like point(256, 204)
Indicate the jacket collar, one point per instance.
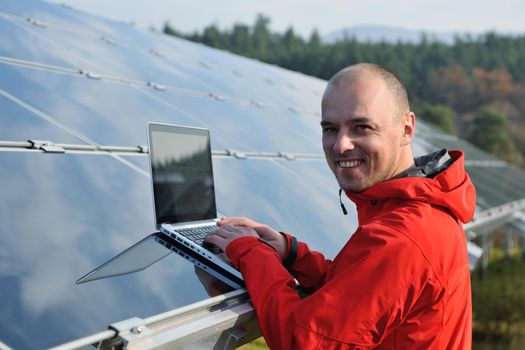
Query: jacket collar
point(445, 184)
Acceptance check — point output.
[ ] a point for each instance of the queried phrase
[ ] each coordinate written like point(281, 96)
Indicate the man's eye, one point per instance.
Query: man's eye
point(329, 129)
point(362, 127)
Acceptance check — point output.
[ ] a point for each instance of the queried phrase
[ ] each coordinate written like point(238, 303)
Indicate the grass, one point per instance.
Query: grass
point(499, 304)
point(257, 344)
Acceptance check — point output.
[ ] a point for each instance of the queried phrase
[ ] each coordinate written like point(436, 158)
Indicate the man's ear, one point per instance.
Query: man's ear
point(409, 127)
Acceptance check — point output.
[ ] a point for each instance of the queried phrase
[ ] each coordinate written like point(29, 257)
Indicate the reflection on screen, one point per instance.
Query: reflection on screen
point(182, 177)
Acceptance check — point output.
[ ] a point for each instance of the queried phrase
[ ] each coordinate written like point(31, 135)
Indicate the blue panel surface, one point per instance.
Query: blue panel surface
point(20, 124)
point(107, 113)
point(116, 114)
point(63, 215)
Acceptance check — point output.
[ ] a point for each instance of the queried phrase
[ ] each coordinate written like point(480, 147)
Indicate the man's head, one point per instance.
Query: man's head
point(367, 126)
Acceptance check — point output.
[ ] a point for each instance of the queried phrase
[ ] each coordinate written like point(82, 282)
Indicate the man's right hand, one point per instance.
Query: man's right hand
point(271, 236)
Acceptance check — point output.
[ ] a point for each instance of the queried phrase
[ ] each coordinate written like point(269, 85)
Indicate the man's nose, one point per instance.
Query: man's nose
point(343, 143)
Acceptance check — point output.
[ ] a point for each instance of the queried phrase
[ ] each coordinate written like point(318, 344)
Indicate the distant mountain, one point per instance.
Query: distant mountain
point(374, 34)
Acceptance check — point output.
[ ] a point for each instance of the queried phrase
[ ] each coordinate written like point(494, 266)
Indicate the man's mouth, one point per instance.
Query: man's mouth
point(349, 163)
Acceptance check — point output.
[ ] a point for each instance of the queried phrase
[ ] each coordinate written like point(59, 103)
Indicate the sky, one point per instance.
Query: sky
point(475, 16)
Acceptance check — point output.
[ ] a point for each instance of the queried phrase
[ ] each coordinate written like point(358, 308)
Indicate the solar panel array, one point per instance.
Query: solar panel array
point(90, 85)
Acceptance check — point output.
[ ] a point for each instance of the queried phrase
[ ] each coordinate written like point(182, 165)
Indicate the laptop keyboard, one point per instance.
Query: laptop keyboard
point(197, 234)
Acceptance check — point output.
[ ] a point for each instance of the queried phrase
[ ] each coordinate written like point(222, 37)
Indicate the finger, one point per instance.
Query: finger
point(237, 221)
point(222, 232)
point(218, 241)
point(234, 229)
point(268, 233)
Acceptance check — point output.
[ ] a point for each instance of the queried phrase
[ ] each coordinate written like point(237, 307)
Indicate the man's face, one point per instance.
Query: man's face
point(362, 134)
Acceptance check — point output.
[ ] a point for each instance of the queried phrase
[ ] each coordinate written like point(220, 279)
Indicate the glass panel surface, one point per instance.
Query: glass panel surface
point(250, 128)
point(19, 124)
point(62, 216)
point(487, 196)
point(107, 113)
point(116, 114)
point(505, 183)
point(21, 40)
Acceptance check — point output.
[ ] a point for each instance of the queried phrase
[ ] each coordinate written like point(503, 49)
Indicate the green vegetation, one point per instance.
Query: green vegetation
point(440, 115)
point(490, 132)
point(257, 344)
point(498, 303)
point(472, 73)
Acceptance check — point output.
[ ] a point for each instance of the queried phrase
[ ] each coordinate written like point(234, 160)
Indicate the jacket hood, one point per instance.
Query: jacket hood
point(450, 188)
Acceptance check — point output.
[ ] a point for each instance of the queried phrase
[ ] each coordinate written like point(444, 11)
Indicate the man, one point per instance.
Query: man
point(402, 281)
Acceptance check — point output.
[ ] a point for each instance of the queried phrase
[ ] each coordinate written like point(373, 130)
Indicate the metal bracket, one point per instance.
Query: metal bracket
point(236, 154)
point(108, 40)
point(131, 331)
point(46, 146)
point(155, 52)
point(287, 156)
point(90, 75)
point(36, 22)
point(257, 103)
point(143, 149)
point(157, 86)
point(217, 97)
point(205, 65)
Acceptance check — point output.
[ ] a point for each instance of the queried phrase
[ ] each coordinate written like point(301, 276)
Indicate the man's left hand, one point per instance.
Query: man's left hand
point(225, 234)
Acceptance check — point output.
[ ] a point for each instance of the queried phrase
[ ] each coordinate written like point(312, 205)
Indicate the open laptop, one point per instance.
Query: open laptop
point(183, 190)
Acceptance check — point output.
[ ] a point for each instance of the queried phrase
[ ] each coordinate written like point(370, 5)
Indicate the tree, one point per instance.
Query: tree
point(439, 115)
point(490, 132)
point(212, 36)
point(261, 38)
point(452, 87)
point(168, 29)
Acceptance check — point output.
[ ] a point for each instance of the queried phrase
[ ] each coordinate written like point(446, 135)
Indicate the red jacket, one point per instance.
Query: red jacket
point(402, 281)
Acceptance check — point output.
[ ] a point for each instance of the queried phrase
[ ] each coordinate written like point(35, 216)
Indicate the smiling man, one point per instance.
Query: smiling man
point(402, 280)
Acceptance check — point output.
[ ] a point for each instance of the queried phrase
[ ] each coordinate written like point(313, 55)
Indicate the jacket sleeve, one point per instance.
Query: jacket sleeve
point(376, 280)
point(309, 267)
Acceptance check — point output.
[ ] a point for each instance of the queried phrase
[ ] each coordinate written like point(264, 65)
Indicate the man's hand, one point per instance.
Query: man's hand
point(233, 228)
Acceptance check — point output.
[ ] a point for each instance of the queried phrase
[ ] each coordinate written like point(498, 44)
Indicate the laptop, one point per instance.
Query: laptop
point(184, 192)
point(154, 248)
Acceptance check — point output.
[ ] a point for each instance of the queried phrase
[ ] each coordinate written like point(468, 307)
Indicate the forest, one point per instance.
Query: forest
point(474, 88)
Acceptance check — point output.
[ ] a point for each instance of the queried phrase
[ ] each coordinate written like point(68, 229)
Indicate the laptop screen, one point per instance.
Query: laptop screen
point(182, 174)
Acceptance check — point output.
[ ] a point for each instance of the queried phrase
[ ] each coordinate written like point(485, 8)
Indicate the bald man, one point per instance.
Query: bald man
point(402, 280)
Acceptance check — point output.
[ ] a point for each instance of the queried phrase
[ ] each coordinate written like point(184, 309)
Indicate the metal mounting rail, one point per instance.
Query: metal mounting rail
point(86, 341)
point(51, 147)
point(223, 322)
point(154, 85)
point(502, 213)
